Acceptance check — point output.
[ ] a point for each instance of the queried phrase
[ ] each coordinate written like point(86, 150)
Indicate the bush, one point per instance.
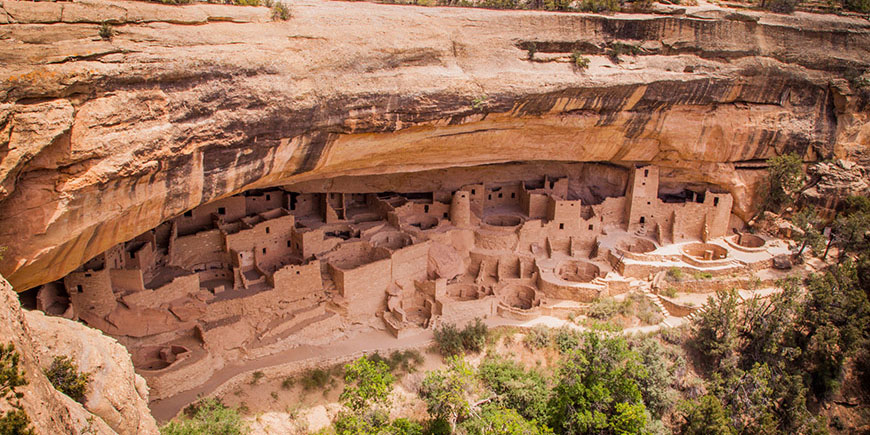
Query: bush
point(495, 420)
point(515, 388)
point(599, 5)
point(452, 341)
point(537, 338)
point(280, 12)
point(474, 336)
point(780, 6)
point(15, 420)
point(605, 308)
point(449, 339)
point(785, 178)
point(209, 416)
point(256, 376)
point(579, 61)
point(367, 383)
point(675, 274)
point(617, 49)
point(288, 383)
point(64, 375)
point(315, 378)
point(106, 30)
point(857, 5)
point(566, 339)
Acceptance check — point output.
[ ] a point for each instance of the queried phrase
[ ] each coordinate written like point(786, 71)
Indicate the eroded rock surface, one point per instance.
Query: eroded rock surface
point(50, 411)
point(101, 140)
point(116, 393)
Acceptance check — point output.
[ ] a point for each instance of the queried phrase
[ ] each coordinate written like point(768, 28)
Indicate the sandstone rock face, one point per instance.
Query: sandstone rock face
point(50, 411)
point(101, 140)
point(116, 393)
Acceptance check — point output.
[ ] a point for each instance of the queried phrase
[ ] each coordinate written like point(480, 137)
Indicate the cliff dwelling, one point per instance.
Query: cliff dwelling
point(256, 273)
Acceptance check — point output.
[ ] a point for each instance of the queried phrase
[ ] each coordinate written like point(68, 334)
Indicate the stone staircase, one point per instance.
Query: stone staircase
point(646, 290)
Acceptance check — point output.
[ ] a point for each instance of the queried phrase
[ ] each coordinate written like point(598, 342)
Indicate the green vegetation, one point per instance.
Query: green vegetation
point(580, 62)
point(448, 393)
point(280, 12)
point(367, 383)
point(675, 274)
point(808, 223)
point(512, 386)
point(452, 341)
point(406, 361)
point(531, 48)
point(207, 417)
point(256, 376)
point(106, 31)
point(857, 5)
point(785, 178)
point(316, 379)
point(479, 102)
point(288, 383)
point(502, 421)
point(14, 420)
point(599, 5)
point(780, 6)
point(538, 337)
point(616, 50)
point(64, 375)
point(634, 305)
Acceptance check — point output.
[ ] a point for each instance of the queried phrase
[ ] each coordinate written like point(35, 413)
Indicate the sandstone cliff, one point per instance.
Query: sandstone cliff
point(117, 398)
point(102, 139)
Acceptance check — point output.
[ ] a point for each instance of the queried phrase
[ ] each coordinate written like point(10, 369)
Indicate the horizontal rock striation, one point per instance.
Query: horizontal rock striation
point(102, 139)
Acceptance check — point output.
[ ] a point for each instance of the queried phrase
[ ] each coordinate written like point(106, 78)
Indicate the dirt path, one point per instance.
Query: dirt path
point(367, 342)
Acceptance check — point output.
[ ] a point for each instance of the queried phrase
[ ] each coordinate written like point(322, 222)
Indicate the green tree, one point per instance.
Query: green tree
point(502, 421)
point(808, 223)
point(850, 233)
point(449, 393)
point(209, 416)
point(705, 416)
point(785, 177)
point(655, 387)
point(64, 375)
point(597, 390)
point(13, 420)
point(367, 383)
point(715, 330)
point(514, 387)
point(833, 325)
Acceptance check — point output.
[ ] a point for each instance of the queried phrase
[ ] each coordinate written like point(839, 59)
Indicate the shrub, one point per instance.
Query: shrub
point(474, 336)
point(14, 420)
point(495, 420)
point(288, 383)
point(604, 309)
point(367, 383)
point(780, 6)
point(785, 178)
point(599, 5)
point(209, 416)
point(514, 387)
point(315, 378)
point(566, 339)
point(452, 341)
point(702, 275)
point(537, 337)
point(280, 12)
point(106, 30)
point(617, 49)
point(448, 392)
point(675, 274)
point(449, 339)
point(256, 376)
point(532, 49)
point(857, 5)
point(670, 292)
point(64, 375)
point(579, 61)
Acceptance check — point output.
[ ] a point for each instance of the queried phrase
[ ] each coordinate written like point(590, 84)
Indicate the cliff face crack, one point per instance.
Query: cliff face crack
point(89, 57)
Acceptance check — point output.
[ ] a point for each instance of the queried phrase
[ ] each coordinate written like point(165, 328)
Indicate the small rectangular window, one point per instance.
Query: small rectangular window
point(267, 230)
point(264, 250)
point(268, 197)
point(490, 196)
point(289, 244)
point(222, 210)
point(188, 213)
point(513, 194)
point(715, 202)
point(499, 195)
point(561, 226)
point(472, 191)
point(79, 288)
point(590, 227)
point(646, 172)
